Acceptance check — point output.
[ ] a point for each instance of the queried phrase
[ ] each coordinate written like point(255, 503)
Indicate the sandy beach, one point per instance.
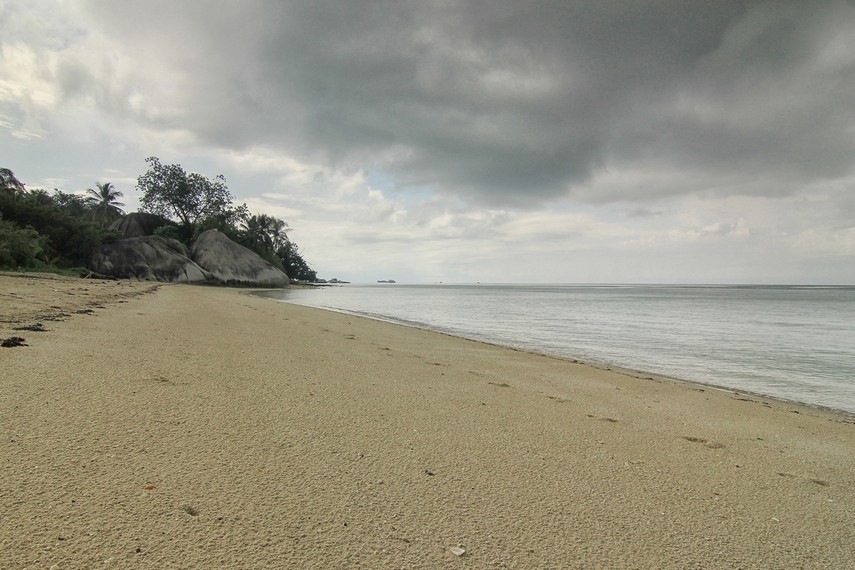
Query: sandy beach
point(176, 426)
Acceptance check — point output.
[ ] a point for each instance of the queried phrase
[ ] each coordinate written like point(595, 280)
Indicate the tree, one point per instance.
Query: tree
point(71, 204)
point(294, 264)
point(278, 232)
point(227, 222)
point(10, 184)
point(167, 190)
point(68, 239)
point(104, 203)
point(263, 232)
point(39, 197)
point(19, 247)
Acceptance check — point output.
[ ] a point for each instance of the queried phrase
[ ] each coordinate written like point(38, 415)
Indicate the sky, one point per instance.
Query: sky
point(465, 140)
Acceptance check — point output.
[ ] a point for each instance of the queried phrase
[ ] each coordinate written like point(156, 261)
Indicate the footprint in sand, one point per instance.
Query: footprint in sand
point(190, 510)
point(820, 482)
point(602, 418)
point(160, 379)
point(559, 400)
point(706, 442)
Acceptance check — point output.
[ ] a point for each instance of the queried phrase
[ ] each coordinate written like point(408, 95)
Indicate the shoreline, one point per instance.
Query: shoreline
point(204, 427)
point(605, 366)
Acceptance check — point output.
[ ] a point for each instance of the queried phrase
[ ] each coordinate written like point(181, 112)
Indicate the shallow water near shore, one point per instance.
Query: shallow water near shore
point(789, 342)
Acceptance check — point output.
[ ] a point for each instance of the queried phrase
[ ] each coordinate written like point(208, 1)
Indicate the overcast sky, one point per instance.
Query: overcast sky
point(462, 141)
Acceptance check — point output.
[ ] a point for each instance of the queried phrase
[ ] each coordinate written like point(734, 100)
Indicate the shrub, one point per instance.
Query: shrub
point(19, 246)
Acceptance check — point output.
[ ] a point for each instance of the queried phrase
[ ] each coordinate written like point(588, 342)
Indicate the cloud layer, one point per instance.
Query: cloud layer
point(504, 102)
point(614, 126)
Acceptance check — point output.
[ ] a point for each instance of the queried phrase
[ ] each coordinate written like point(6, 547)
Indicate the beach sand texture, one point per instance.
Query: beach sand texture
point(197, 427)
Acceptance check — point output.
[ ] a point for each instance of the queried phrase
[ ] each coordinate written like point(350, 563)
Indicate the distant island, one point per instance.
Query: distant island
point(386, 281)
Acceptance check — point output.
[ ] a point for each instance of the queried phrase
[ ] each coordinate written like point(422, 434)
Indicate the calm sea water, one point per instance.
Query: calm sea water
point(795, 343)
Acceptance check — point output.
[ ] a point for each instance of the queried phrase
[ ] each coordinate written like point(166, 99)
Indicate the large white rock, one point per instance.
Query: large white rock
point(233, 264)
point(148, 258)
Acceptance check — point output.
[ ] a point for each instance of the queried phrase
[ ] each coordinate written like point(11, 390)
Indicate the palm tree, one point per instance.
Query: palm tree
point(278, 232)
point(265, 232)
point(104, 204)
point(255, 231)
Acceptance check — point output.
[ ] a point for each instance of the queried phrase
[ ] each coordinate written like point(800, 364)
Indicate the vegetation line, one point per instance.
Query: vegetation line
point(61, 232)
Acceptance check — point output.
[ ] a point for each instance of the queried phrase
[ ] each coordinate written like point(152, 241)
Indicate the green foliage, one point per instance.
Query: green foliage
point(71, 204)
point(226, 223)
point(109, 236)
point(294, 264)
point(68, 239)
point(19, 247)
point(268, 237)
point(264, 233)
point(39, 198)
point(9, 184)
point(170, 231)
point(169, 191)
point(103, 203)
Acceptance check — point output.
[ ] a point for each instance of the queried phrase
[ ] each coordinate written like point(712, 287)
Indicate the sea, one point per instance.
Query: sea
point(794, 343)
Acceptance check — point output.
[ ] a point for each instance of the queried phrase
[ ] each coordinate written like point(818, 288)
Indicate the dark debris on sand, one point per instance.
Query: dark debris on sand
point(38, 327)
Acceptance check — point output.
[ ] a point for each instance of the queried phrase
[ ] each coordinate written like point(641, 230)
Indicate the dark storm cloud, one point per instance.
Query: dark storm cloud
point(512, 102)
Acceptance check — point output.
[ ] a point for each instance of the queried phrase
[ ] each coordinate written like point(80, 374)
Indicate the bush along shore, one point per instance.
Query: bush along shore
point(88, 233)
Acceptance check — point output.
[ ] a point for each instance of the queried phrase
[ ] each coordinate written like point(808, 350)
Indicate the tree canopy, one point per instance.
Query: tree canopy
point(266, 231)
point(40, 230)
point(268, 237)
point(9, 184)
point(169, 191)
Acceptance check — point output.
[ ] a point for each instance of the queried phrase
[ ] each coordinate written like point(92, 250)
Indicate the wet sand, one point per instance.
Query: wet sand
point(197, 427)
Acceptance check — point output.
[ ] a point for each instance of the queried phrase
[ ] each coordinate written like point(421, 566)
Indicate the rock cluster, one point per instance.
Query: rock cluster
point(213, 259)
